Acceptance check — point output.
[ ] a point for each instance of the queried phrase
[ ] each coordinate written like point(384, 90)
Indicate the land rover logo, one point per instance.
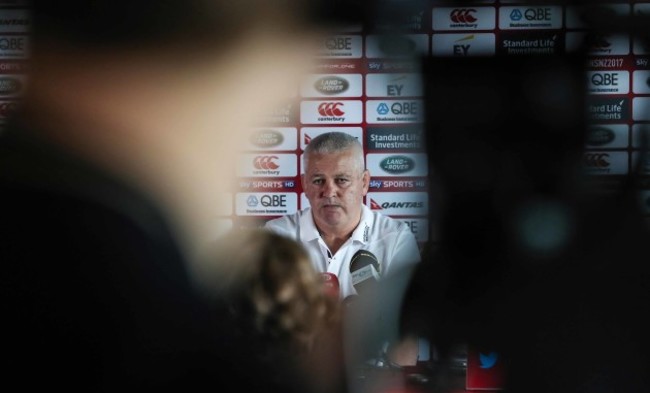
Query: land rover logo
point(9, 86)
point(599, 136)
point(331, 85)
point(396, 45)
point(397, 164)
point(267, 138)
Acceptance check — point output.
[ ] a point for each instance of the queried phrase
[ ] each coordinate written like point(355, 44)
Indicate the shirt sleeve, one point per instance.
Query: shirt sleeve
point(406, 252)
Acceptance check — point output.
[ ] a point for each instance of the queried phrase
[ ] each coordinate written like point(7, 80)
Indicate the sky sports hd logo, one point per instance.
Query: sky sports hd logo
point(399, 203)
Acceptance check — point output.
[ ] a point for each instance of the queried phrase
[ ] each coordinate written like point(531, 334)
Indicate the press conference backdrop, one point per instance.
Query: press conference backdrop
point(367, 83)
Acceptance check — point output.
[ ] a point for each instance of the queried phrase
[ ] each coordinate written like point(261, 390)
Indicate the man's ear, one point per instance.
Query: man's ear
point(302, 181)
point(366, 181)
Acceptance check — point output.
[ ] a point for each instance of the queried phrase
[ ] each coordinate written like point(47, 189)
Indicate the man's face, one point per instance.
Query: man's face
point(335, 186)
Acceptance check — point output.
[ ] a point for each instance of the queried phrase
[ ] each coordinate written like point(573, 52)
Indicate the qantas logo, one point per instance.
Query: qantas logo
point(463, 15)
point(331, 109)
point(395, 205)
point(265, 162)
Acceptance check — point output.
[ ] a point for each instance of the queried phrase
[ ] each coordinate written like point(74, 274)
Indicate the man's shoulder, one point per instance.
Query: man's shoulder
point(384, 223)
point(284, 224)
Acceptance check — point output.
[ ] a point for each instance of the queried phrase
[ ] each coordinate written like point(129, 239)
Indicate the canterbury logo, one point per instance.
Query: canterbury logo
point(330, 109)
point(462, 15)
point(375, 206)
point(265, 162)
point(596, 160)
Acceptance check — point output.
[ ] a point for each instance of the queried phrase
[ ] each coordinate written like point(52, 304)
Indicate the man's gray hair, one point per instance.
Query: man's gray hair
point(335, 142)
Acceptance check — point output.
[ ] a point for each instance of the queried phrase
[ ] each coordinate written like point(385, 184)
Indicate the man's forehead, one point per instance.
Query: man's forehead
point(331, 164)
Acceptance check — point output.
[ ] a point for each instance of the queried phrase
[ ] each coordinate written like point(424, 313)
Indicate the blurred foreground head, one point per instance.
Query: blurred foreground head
point(279, 303)
point(161, 92)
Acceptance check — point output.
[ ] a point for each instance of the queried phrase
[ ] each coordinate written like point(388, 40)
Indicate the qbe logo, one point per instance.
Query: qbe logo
point(397, 165)
point(419, 227)
point(470, 18)
point(542, 17)
point(340, 47)
point(398, 203)
point(389, 111)
point(608, 82)
point(331, 112)
point(308, 133)
point(475, 44)
point(267, 165)
point(266, 204)
point(14, 46)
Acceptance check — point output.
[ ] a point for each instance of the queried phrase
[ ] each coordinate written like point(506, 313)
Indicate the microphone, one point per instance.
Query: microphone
point(364, 268)
point(330, 284)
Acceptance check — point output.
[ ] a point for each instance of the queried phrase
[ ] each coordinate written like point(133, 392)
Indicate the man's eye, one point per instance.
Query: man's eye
point(318, 181)
point(342, 181)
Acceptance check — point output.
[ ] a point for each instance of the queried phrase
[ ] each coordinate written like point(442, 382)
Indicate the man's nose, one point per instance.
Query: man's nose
point(329, 189)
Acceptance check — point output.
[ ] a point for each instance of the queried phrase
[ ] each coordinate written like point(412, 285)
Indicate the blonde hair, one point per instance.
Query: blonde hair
point(271, 288)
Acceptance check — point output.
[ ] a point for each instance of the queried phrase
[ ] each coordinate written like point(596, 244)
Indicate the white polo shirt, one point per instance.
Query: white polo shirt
point(390, 240)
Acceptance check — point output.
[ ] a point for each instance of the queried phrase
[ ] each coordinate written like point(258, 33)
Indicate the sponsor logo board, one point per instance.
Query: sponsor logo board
point(641, 109)
point(393, 111)
point(340, 47)
point(15, 21)
point(14, 46)
point(597, 44)
point(395, 138)
point(273, 138)
point(530, 43)
point(419, 227)
point(605, 163)
point(396, 45)
point(530, 17)
point(340, 85)
point(578, 17)
point(331, 112)
point(266, 204)
point(394, 85)
point(608, 109)
point(397, 165)
point(463, 18)
point(12, 85)
point(399, 203)
point(607, 136)
point(267, 165)
point(465, 44)
point(608, 82)
point(641, 136)
point(641, 82)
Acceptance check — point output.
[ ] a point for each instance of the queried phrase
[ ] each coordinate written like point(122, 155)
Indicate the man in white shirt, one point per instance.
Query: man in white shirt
point(338, 224)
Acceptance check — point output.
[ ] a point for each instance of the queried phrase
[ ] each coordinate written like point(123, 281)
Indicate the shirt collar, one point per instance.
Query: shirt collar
point(361, 233)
